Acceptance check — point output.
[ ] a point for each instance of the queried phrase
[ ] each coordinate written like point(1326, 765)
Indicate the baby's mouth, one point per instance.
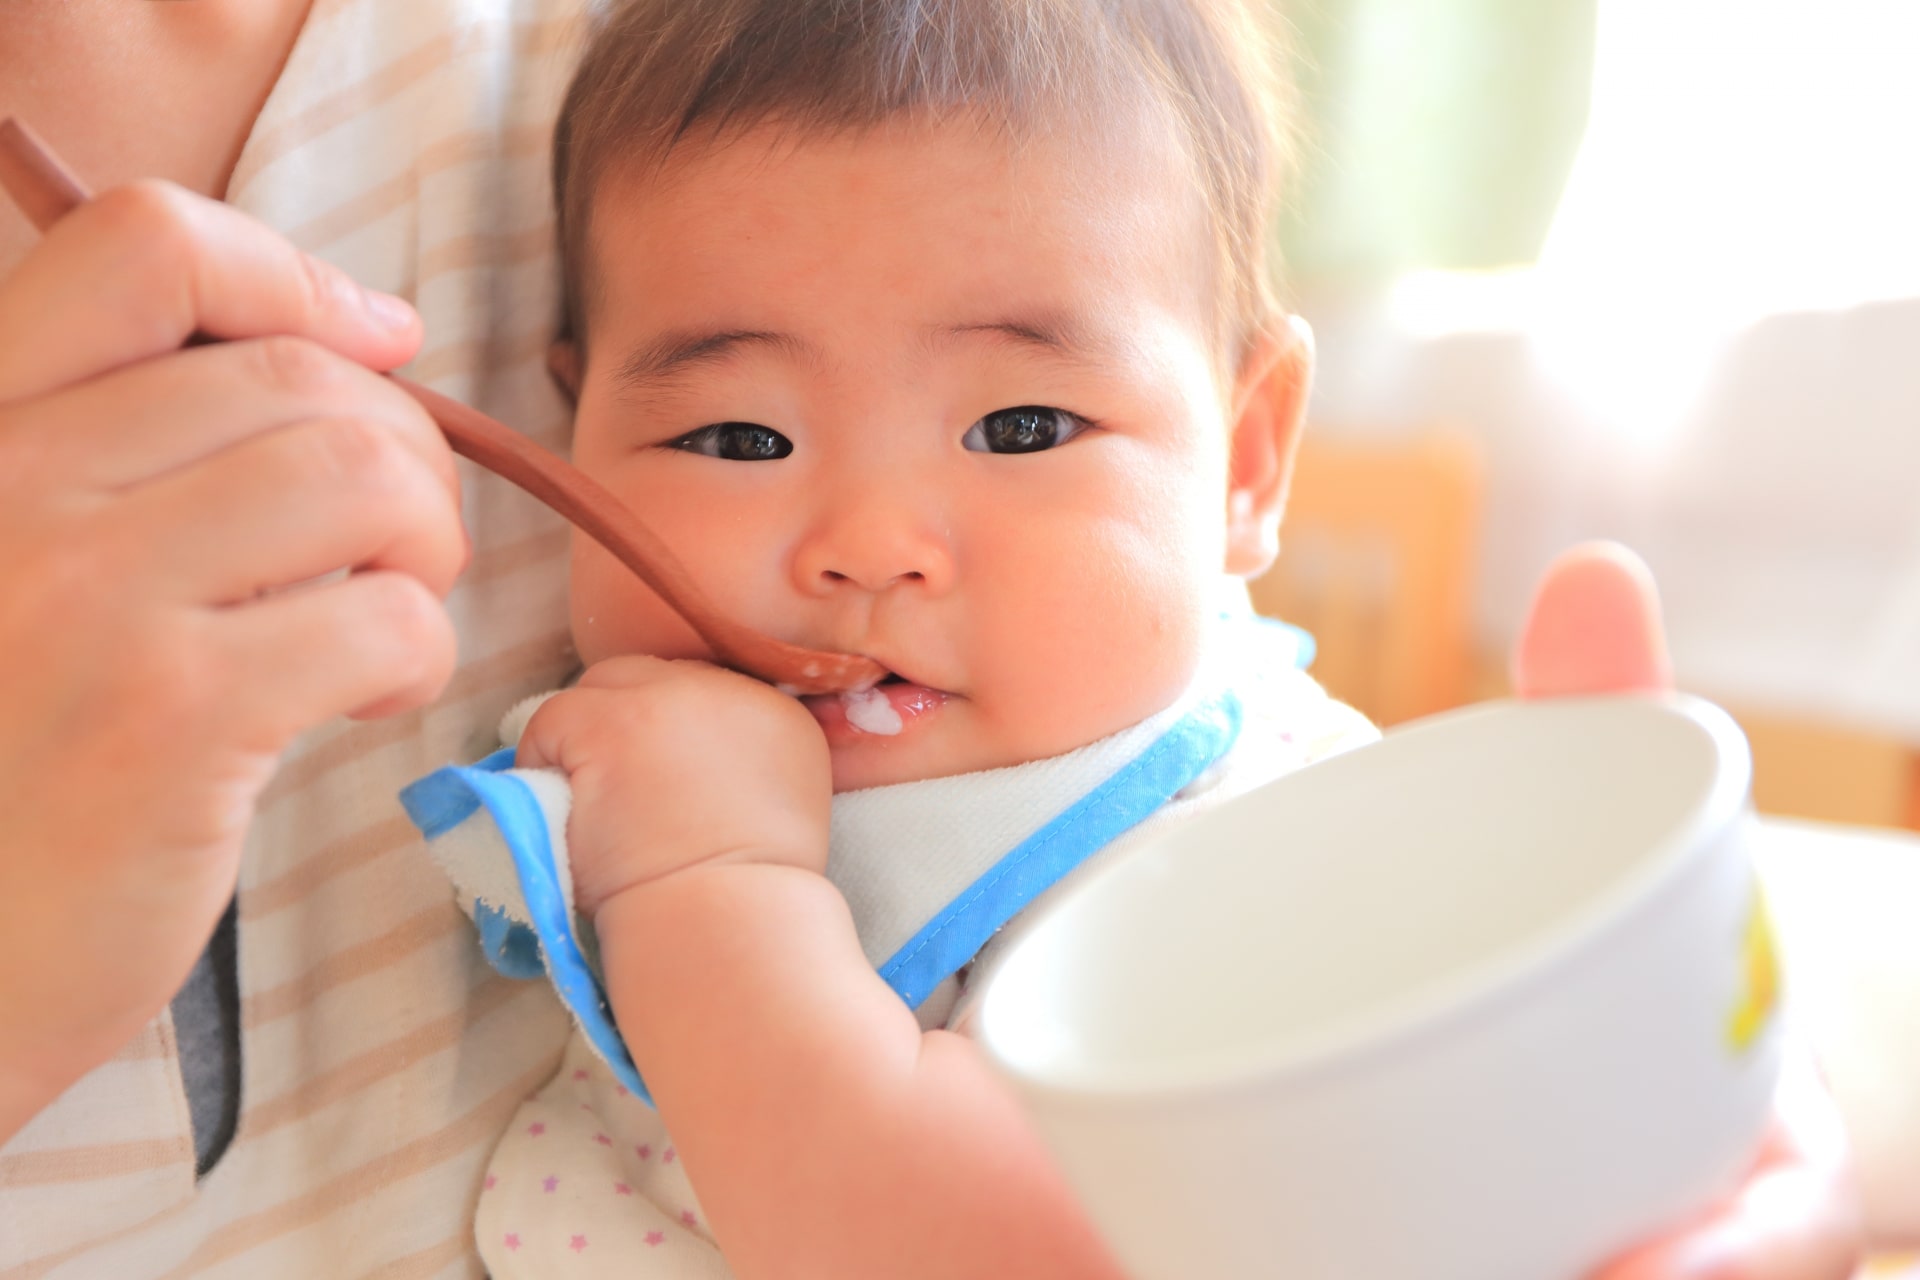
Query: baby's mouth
point(887, 710)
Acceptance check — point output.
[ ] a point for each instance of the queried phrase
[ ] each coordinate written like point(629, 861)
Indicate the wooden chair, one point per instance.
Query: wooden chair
point(1805, 768)
point(1376, 560)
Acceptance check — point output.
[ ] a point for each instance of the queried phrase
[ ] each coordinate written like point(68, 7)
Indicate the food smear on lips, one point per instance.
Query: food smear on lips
point(870, 711)
point(886, 710)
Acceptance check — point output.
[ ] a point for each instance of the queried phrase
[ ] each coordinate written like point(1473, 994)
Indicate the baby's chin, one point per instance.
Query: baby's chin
point(943, 741)
point(861, 769)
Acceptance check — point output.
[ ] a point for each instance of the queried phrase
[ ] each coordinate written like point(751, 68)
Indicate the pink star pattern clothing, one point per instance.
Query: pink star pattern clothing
point(587, 1174)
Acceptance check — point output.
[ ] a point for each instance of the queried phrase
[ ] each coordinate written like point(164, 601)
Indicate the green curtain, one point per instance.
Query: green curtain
point(1431, 133)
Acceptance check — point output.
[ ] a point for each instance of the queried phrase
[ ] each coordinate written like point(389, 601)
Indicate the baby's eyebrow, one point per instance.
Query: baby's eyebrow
point(1054, 334)
point(680, 350)
point(675, 352)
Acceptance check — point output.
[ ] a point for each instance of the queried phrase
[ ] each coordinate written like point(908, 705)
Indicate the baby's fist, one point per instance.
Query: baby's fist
point(673, 764)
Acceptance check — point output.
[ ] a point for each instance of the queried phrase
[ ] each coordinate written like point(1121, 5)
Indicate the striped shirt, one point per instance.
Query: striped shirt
point(407, 143)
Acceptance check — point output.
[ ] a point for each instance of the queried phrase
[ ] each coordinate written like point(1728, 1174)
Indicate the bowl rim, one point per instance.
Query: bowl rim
point(1717, 814)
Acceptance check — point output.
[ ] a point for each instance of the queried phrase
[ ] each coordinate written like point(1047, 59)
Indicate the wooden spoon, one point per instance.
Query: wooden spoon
point(46, 191)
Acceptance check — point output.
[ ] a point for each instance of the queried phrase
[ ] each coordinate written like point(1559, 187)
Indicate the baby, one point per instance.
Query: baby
point(935, 332)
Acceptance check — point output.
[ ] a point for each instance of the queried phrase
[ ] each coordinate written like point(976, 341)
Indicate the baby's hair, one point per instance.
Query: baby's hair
point(658, 73)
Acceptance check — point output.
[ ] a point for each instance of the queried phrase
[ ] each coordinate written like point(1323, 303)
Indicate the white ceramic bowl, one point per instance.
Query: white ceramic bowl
point(1489, 1000)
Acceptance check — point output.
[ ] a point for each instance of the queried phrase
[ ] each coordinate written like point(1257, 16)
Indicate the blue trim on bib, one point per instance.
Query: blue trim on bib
point(450, 796)
point(447, 797)
point(1134, 793)
point(512, 948)
point(444, 798)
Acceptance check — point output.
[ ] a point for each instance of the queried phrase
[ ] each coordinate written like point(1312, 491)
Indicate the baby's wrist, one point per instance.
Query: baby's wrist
point(784, 851)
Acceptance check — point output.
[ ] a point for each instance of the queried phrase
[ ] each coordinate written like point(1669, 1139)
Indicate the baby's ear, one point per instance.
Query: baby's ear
point(1270, 407)
point(563, 366)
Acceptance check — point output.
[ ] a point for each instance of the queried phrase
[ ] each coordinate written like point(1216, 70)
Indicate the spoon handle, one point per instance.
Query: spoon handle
point(584, 501)
point(47, 191)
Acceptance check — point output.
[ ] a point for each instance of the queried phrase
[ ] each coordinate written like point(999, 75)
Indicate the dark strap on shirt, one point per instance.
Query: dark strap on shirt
point(206, 1026)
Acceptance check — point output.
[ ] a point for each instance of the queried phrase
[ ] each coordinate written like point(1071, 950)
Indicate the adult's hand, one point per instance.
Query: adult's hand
point(1595, 628)
point(170, 617)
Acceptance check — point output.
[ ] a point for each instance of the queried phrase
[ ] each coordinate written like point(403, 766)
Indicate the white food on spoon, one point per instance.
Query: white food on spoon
point(871, 712)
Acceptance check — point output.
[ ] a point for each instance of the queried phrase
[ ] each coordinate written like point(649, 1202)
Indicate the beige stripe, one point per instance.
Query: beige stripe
point(84, 1164)
point(356, 850)
point(551, 36)
point(483, 250)
point(480, 1125)
point(431, 1262)
point(169, 1042)
point(512, 557)
point(507, 667)
point(357, 961)
point(369, 206)
point(326, 9)
point(356, 1074)
point(273, 144)
point(376, 202)
point(493, 354)
point(269, 145)
point(152, 1042)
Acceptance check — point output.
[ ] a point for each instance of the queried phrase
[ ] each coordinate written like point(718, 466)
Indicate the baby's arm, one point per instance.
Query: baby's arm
point(826, 1134)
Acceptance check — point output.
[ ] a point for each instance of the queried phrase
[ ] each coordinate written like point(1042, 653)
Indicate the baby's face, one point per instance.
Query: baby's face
point(918, 395)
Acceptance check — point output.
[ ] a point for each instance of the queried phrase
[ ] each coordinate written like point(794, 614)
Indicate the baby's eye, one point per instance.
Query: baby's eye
point(735, 442)
point(1029, 428)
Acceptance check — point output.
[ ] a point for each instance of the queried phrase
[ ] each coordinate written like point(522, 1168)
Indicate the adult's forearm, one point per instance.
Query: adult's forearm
point(150, 671)
point(22, 1095)
point(33, 1074)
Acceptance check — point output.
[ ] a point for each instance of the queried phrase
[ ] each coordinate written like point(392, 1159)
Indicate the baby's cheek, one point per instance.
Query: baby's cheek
point(612, 613)
point(1117, 641)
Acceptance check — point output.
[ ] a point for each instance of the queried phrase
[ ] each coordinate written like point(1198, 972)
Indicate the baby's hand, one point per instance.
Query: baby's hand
point(675, 764)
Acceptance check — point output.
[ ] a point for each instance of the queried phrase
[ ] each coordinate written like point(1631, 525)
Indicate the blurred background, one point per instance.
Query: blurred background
point(1638, 269)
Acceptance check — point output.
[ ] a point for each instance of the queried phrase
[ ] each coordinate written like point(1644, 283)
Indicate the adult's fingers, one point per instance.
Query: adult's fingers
point(1594, 628)
point(1789, 1224)
point(134, 272)
point(171, 411)
point(287, 506)
point(344, 647)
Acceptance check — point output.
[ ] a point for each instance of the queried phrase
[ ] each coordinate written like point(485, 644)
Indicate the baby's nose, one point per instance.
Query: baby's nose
point(875, 543)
